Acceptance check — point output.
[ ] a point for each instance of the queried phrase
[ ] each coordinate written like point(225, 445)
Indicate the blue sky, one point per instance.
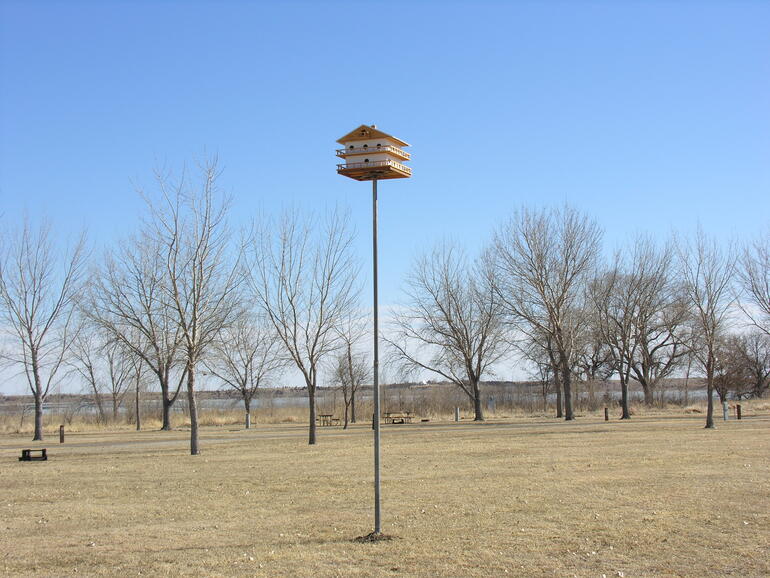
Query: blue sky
point(650, 116)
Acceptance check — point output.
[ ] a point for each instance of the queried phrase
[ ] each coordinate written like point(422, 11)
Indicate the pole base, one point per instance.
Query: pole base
point(373, 537)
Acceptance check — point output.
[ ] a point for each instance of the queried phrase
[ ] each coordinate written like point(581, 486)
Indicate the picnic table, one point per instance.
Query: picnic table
point(327, 419)
point(394, 417)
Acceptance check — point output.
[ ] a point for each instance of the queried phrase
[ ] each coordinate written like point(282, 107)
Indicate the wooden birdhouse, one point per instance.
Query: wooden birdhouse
point(371, 154)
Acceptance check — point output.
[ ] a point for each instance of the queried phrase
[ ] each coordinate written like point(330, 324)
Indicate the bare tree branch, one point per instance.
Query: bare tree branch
point(753, 275)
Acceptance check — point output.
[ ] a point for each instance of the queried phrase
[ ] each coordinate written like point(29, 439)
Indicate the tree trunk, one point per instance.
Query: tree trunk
point(347, 408)
point(247, 404)
point(352, 405)
point(557, 386)
point(575, 387)
point(649, 397)
point(99, 406)
point(39, 398)
point(138, 417)
point(477, 409)
point(193, 411)
point(625, 413)
point(166, 412)
point(710, 411)
point(115, 406)
point(38, 436)
point(566, 379)
point(311, 403)
point(687, 380)
point(710, 394)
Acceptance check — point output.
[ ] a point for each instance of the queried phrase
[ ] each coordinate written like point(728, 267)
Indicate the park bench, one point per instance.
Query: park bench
point(33, 455)
point(398, 417)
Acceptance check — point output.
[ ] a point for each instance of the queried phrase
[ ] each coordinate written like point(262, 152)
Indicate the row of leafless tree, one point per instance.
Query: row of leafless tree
point(181, 296)
point(184, 295)
point(542, 291)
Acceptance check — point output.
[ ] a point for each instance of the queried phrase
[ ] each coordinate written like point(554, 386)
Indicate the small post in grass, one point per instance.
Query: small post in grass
point(61, 434)
point(606, 414)
point(738, 411)
point(457, 414)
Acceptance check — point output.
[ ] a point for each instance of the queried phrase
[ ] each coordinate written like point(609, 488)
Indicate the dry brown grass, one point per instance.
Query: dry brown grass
point(13, 424)
point(656, 496)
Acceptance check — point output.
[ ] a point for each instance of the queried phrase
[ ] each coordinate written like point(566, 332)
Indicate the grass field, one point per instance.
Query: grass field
point(656, 496)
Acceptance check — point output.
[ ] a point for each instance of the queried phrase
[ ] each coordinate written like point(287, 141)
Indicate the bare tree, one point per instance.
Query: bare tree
point(352, 367)
point(615, 296)
point(537, 347)
point(38, 288)
point(540, 359)
point(351, 371)
point(543, 260)
point(104, 364)
point(754, 351)
point(128, 300)
point(643, 315)
point(662, 316)
point(731, 376)
point(746, 360)
point(304, 279)
point(754, 279)
point(202, 271)
point(706, 270)
point(84, 362)
point(119, 367)
point(452, 325)
point(593, 359)
point(246, 355)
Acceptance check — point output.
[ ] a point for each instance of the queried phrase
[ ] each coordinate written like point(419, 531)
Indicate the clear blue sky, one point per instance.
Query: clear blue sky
point(647, 115)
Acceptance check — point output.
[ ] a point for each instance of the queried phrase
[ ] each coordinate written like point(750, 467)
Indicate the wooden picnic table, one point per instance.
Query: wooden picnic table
point(398, 417)
point(327, 419)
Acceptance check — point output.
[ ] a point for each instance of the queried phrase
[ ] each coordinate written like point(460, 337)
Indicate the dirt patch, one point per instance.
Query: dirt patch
point(374, 537)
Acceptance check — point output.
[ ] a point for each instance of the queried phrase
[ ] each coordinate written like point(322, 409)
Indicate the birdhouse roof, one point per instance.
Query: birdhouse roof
point(366, 132)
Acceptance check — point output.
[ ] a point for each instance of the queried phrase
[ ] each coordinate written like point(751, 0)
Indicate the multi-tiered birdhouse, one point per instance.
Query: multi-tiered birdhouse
point(371, 154)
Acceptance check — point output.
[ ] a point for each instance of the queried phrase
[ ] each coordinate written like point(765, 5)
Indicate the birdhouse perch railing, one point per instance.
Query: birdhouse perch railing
point(372, 150)
point(373, 164)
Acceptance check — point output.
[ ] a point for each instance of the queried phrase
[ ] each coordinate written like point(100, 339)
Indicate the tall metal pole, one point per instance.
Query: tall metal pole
point(376, 369)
